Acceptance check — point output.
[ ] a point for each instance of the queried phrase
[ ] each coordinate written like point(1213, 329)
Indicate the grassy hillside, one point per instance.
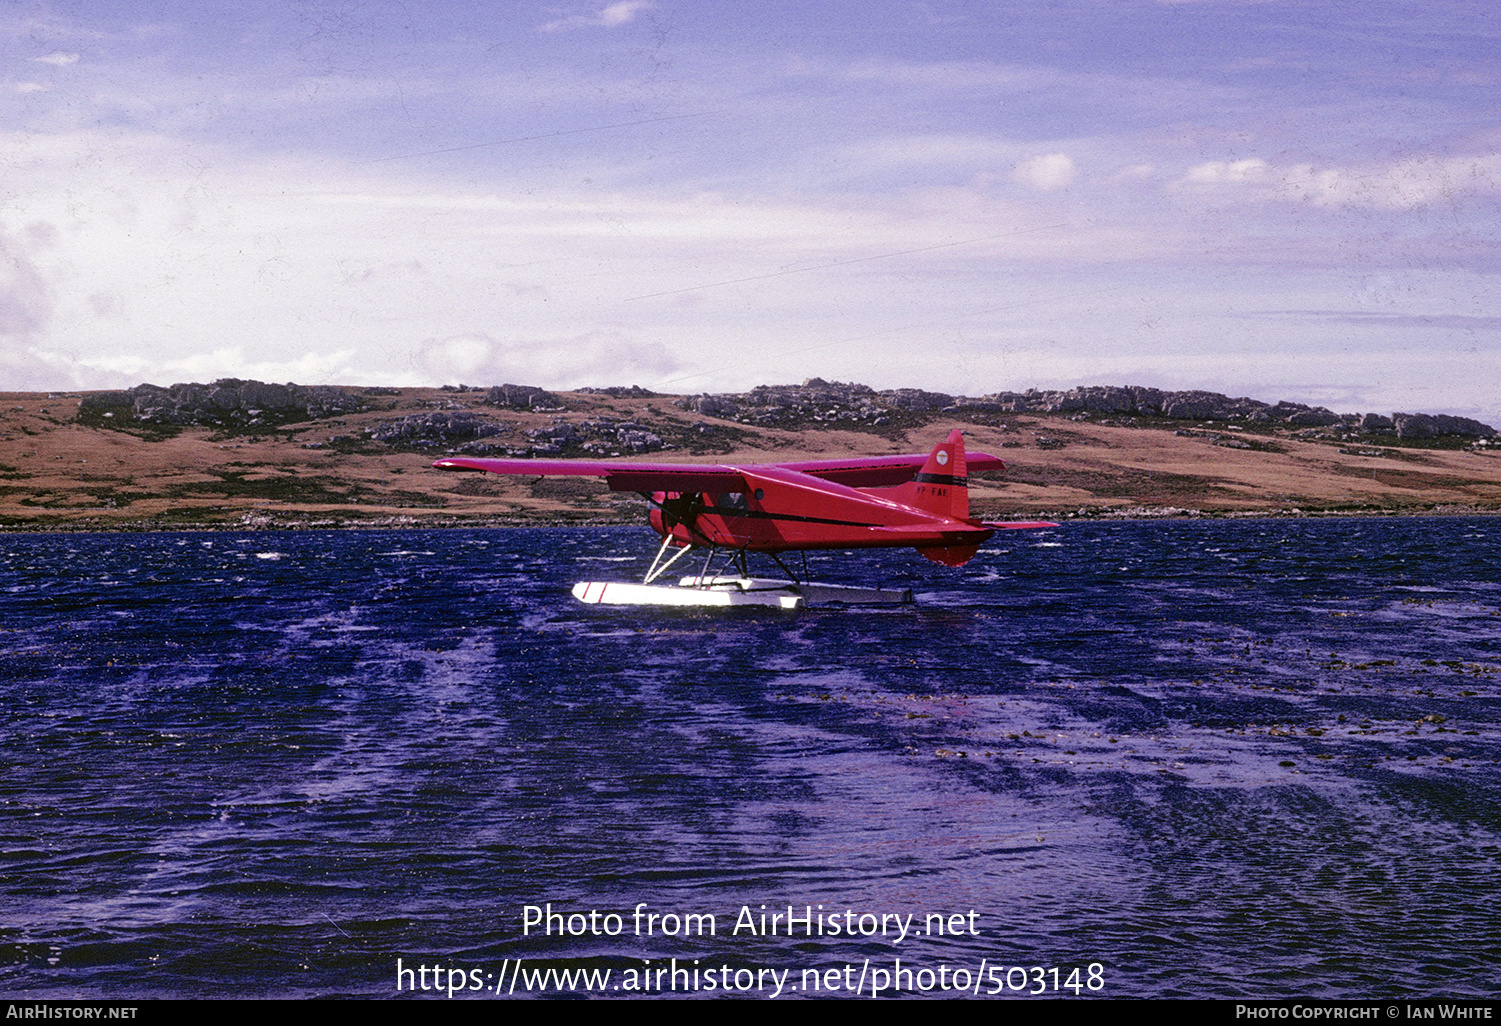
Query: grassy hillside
point(372, 466)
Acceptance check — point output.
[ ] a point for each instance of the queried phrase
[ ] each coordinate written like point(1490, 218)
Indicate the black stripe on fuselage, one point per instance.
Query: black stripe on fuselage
point(687, 517)
point(757, 514)
point(943, 479)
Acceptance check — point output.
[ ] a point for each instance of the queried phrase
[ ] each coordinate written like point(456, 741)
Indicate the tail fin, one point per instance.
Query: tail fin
point(941, 486)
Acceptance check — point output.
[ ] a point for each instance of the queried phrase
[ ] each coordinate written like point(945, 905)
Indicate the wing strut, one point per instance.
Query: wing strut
point(658, 571)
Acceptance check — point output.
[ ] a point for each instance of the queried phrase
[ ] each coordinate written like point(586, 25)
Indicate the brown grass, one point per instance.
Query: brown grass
point(56, 473)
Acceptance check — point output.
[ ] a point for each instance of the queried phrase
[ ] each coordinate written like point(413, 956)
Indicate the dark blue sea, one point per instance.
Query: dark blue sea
point(1226, 759)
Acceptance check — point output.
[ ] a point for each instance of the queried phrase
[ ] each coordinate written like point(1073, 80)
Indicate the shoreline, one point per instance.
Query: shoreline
point(269, 522)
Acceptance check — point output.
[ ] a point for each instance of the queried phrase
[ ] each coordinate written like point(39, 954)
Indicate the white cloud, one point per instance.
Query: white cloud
point(26, 299)
point(873, 217)
point(1047, 171)
point(620, 13)
point(1402, 185)
point(230, 362)
point(59, 60)
point(594, 358)
point(456, 359)
point(615, 14)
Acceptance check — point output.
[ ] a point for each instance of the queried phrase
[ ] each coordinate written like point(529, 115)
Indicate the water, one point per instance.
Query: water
point(1247, 759)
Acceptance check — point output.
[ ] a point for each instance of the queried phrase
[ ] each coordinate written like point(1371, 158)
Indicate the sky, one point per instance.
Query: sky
point(1272, 198)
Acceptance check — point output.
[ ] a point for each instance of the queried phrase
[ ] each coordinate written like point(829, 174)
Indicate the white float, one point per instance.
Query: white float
point(736, 591)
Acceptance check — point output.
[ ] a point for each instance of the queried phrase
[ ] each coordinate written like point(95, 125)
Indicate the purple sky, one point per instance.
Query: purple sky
point(1276, 199)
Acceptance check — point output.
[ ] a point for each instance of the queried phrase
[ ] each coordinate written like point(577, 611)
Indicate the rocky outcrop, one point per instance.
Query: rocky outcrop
point(522, 397)
point(604, 436)
point(1137, 400)
point(622, 392)
point(916, 400)
point(710, 405)
point(227, 403)
point(232, 404)
point(442, 428)
point(815, 401)
point(819, 402)
point(1429, 425)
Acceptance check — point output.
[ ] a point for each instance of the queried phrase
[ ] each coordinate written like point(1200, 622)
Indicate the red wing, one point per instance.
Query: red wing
point(855, 472)
point(621, 477)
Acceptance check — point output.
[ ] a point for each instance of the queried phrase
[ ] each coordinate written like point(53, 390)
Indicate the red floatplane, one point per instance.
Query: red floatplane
point(915, 501)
